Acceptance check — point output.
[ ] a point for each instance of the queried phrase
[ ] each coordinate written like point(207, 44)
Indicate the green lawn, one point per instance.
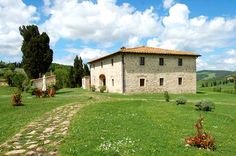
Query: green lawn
point(144, 124)
point(137, 124)
point(12, 119)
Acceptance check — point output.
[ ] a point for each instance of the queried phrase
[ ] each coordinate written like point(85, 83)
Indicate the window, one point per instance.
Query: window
point(142, 82)
point(180, 62)
point(142, 61)
point(101, 64)
point(180, 80)
point(161, 81)
point(93, 65)
point(112, 62)
point(161, 61)
point(112, 82)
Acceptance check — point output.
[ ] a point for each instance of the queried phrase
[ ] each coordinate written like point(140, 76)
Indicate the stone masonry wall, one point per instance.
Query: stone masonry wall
point(111, 72)
point(152, 72)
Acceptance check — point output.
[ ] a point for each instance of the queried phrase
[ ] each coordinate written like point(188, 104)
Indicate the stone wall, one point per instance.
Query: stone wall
point(112, 74)
point(50, 80)
point(152, 72)
point(3, 83)
point(86, 82)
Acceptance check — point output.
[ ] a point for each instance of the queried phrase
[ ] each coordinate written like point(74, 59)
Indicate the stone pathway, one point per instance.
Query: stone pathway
point(42, 136)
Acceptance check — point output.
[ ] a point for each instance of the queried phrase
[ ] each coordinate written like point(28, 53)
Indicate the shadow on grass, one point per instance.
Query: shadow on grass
point(201, 92)
point(64, 92)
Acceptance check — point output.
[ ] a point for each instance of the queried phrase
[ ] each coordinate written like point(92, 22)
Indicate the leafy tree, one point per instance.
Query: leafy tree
point(8, 76)
point(78, 71)
point(2, 64)
point(18, 80)
point(37, 55)
point(86, 70)
point(62, 78)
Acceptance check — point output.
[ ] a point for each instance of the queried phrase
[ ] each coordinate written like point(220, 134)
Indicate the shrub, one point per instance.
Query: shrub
point(181, 101)
point(102, 89)
point(166, 96)
point(205, 105)
point(18, 80)
point(38, 93)
point(17, 98)
point(202, 140)
point(93, 88)
point(8, 76)
point(51, 92)
point(217, 89)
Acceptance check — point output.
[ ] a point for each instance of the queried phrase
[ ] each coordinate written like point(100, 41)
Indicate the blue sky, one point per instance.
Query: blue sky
point(94, 28)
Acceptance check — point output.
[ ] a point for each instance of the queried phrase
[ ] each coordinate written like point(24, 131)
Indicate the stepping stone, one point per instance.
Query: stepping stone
point(30, 153)
point(32, 133)
point(46, 142)
point(32, 146)
point(15, 152)
point(18, 147)
point(40, 149)
point(48, 130)
point(31, 142)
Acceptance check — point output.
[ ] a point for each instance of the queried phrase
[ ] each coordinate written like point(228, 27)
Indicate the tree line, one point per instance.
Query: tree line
point(37, 60)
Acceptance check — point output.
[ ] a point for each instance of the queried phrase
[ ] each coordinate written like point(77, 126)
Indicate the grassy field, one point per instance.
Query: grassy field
point(12, 119)
point(138, 124)
point(144, 124)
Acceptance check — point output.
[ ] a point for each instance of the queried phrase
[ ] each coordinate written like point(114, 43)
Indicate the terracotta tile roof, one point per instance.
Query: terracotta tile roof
point(149, 50)
point(152, 50)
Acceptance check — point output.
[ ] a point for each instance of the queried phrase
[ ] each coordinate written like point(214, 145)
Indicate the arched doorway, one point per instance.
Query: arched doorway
point(102, 79)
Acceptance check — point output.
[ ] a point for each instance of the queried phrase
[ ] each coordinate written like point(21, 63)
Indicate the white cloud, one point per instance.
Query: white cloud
point(168, 3)
point(181, 32)
point(231, 52)
point(133, 41)
point(101, 22)
point(85, 53)
point(154, 42)
point(230, 61)
point(13, 13)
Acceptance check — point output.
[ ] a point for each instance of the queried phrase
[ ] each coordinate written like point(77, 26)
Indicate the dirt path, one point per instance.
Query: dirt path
point(42, 136)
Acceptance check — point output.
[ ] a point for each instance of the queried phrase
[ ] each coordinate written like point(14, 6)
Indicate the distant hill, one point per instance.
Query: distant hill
point(210, 74)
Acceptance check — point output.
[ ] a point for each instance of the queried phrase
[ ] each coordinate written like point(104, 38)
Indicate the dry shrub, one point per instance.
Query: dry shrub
point(38, 93)
point(51, 92)
point(17, 98)
point(202, 140)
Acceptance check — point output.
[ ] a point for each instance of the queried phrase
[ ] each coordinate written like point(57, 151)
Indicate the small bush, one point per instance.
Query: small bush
point(205, 105)
point(202, 139)
point(17, 98)
point(102, 89)
point(18, 80)
point(38, 93)
point(217, 89)
point(166, 96)
point(181, 101)
point(51, 92)
point(93, 88)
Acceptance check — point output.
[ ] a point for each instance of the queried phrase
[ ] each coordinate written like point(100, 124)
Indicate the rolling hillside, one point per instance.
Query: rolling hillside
point(210, 74)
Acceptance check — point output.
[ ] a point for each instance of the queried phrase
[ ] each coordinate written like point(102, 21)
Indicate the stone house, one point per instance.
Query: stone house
point(145, 69)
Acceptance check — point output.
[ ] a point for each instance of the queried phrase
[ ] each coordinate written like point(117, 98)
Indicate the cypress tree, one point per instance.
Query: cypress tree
point(86, 70)
point(78, 71)
point(71, 78)
point(37, 55)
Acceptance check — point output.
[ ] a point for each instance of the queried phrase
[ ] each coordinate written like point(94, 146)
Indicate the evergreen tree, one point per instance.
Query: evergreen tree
point(72, 78)
point(86, 70)
point(78, 71)
point(37, 55)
